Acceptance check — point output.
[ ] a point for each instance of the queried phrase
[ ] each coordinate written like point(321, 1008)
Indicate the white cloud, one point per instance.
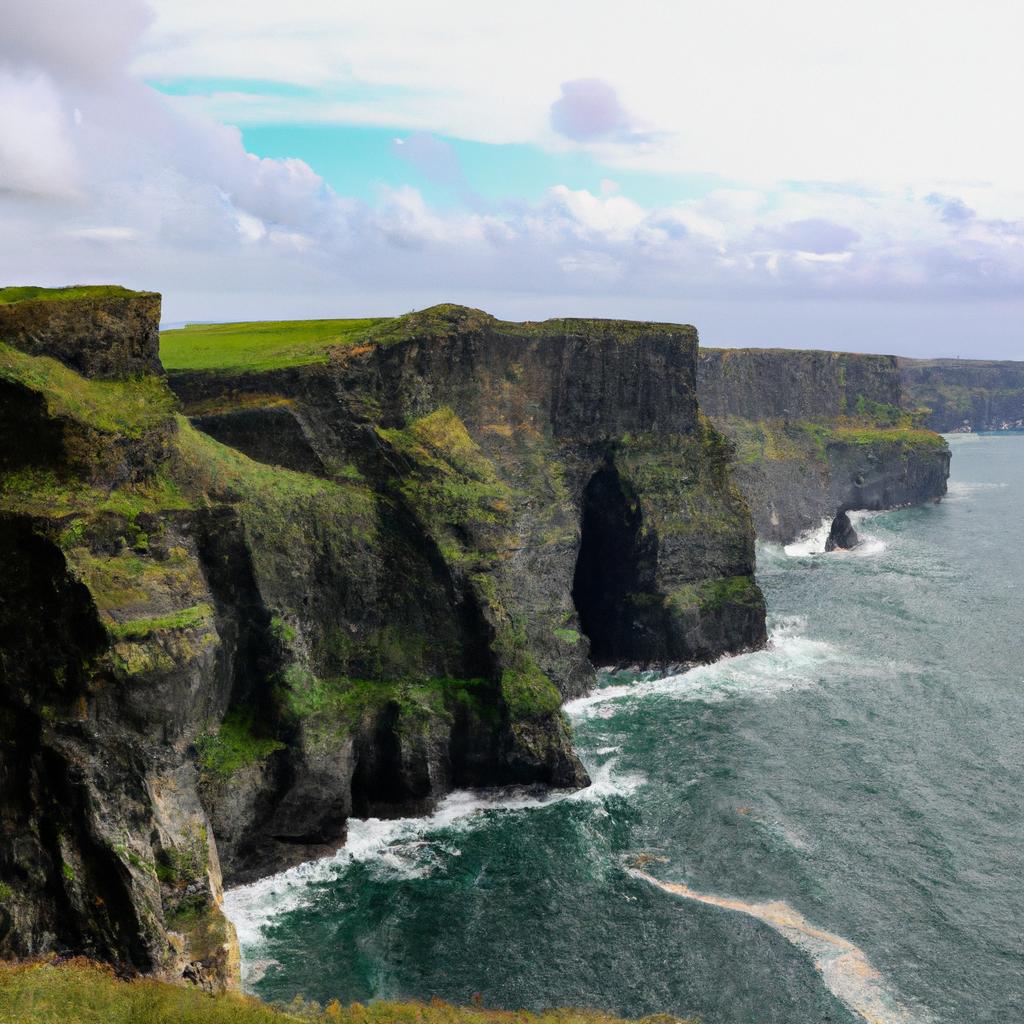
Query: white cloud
point(36, 152)
point(796, 89)
point(110, 233)
point(101, 178)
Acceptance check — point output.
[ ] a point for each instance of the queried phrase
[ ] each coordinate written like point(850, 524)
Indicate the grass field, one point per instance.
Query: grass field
point(261, 345)
point(81, 992)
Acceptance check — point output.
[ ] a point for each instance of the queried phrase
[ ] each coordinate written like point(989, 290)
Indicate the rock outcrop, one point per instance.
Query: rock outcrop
point(963, 395)
point(342, 588)
point(817, 434)
point(841, 534)
point(100, 332)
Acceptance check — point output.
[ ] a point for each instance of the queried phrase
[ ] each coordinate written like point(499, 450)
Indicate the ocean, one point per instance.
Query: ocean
point(831, 829)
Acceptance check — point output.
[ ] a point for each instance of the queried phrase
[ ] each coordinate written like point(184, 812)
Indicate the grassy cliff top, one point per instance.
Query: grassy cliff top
point(276, 344)
point(795, 353)
point(25, 293)
point(259, 345)
point(447, 319)
point(81, 992)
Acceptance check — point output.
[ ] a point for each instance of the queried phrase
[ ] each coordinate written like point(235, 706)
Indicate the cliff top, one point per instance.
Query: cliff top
point(100, 331)
point(961, 364)
point(26, 293)
point(795, 352)
point(259, 345)
point(277, 344)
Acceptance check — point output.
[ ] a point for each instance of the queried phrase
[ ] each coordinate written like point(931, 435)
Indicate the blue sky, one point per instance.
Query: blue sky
point(803, 173)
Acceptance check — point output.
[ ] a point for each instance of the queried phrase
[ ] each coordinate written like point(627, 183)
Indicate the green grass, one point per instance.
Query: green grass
point(712, 595)
point(195, 617)
point(336, 706)
point(81, 992)
point(26, 293)
point(233, 746)
point(261, 345)
point(125, 407)
point(925, 439)
point(42, 492)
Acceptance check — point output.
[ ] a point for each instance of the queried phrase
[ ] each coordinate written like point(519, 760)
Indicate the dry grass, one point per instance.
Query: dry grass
point(82, 992)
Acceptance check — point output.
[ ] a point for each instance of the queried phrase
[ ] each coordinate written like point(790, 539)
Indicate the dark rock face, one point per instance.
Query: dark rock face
point(965, 394)
point(817, 433)
point(269, 434)
point(842, 534)
point(792, 384)
point(379, 587)
point(105, 336)
point(106, 849)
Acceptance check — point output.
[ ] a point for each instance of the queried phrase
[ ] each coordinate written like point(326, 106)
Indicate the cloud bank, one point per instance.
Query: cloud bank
point(103, 178)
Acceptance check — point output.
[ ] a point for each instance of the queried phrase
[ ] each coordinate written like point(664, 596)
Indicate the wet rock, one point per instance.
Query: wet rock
point(842, 534)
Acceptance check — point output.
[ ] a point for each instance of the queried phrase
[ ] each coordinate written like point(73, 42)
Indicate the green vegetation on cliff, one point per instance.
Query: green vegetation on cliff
point(82, 992)
point(25, 293)
point(807, 441)
point(234, 745)
point(126, 407)
point(260, 345)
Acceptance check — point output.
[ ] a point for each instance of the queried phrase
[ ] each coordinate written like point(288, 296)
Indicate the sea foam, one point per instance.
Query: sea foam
point(812, 543)
point(399, 848)
point(791, 661)
point(844, 967)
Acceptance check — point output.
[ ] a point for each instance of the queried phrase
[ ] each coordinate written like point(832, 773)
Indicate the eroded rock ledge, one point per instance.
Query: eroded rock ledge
point(363, 582)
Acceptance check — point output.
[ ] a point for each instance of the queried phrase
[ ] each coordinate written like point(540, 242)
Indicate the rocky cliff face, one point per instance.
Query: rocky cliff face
point(340, 589)
point(965, 394)
point(818, 434)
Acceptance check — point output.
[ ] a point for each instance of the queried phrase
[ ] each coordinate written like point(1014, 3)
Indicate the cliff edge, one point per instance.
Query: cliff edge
point(339, 587)
point(819, 434)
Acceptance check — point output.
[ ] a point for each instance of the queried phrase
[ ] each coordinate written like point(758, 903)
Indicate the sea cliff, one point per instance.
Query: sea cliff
point(245, 603)
point(818, 434)
point(963, 395)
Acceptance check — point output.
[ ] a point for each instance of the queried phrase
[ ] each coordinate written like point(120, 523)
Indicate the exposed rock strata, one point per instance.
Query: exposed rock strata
point(211, 659)
point(106, 332)
point(962, 395)
point(818, 433)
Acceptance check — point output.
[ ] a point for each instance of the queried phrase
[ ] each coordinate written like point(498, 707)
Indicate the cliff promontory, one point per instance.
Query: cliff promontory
point(962, 395)
point(818, 434)
point(341, 584)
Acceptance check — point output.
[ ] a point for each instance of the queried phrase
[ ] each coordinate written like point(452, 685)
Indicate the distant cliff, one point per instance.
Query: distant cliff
point(818, 434)
point(965, 394)
point(340, 588)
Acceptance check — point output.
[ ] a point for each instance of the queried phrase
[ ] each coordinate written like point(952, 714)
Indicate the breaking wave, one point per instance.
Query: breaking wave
point(812, 543)
point(398, 848)
point(792, 661)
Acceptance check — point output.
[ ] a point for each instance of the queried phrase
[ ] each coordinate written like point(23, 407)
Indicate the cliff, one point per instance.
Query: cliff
point(818, 434)
point(350, 582)
point(965, 394)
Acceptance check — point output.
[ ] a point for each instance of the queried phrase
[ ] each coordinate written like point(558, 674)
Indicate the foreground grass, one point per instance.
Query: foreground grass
point(82, 992)
point(265, 345)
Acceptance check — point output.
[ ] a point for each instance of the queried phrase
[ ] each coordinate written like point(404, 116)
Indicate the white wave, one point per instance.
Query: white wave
point(812, 543)
point(868, 545)
point(844, 967)
point(791, 661)
point(401, 847)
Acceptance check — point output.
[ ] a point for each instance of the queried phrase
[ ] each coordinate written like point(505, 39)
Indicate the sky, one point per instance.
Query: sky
point(812, 174)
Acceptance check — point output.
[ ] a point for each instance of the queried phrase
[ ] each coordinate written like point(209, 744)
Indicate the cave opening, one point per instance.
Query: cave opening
point(610, 566)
